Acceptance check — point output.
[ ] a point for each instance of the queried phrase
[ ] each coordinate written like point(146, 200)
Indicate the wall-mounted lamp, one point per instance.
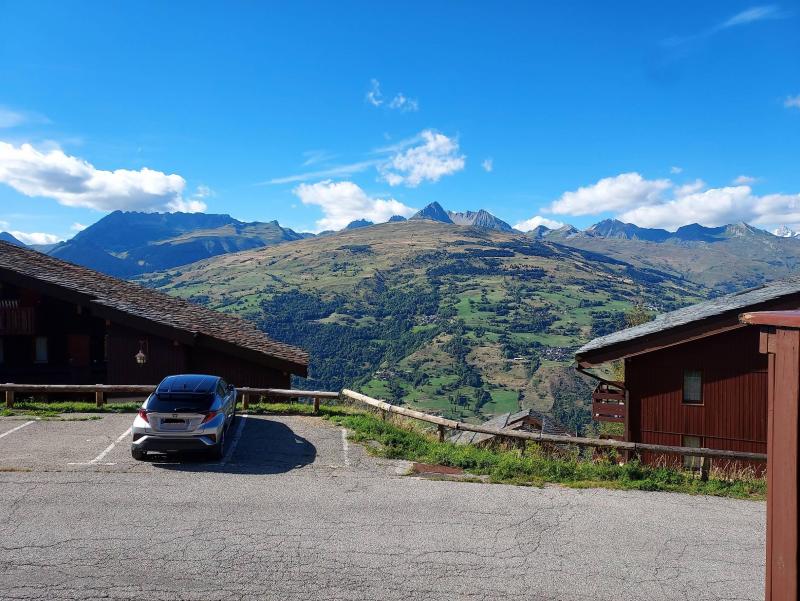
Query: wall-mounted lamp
point(141, 356)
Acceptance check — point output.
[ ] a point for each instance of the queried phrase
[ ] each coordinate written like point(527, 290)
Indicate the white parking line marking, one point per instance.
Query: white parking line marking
point(105, 452)
point(345, 448)
point(237, 435)
point(12, 430)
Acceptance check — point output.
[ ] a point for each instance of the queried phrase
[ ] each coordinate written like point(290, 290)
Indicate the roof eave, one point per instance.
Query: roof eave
point(659, 340)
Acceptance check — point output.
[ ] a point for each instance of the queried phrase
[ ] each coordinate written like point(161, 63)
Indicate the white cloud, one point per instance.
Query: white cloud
point(78, 227)
point(436, 157)
point(792, 102)
point(374, 95)
point(719, 206)
point(690, 188)
point(617, 193)
point(534, 222)
point(343, 202)
point(338, 171)
point(488, 165)
point(400, 102)
point(203, 191)
point(713, 207)
point(312, 157)
point(36, 237)
point(13, 118)
point(664, 204)
point(404, 104)
point(675, 170)
point(751, 15)
point(9, 118)
point(745, 17)
point(75, 182)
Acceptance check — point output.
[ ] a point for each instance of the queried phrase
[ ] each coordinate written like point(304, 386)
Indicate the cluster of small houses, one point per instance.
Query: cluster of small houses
point(693, 377)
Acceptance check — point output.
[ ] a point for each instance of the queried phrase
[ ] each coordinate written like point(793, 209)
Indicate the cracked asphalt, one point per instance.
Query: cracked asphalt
point(296, 513)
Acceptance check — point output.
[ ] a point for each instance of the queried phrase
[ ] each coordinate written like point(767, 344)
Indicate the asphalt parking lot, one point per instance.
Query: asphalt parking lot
point(296, 511)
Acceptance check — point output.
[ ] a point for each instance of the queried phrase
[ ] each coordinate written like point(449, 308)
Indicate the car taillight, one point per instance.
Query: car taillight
point(209, 416)
point(143, 415)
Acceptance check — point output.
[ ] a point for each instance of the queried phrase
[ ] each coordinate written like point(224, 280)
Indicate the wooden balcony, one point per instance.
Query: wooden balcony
point(608, 403)
point(17, 321)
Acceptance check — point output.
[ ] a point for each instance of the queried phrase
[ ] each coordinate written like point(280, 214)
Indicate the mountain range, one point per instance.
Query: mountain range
point(721, 258)
point(7, 237)
point(129, 243)
point(725, 258)
point(463, 321)
point(451, 312)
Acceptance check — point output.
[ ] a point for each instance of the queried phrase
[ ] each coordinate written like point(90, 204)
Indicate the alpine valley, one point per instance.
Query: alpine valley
point(456, 313)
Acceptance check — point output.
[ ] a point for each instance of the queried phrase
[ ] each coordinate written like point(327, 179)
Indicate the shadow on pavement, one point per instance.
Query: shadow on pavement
point(265, 447)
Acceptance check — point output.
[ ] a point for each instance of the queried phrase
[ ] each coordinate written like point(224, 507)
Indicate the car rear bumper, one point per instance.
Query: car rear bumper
point(166, 443)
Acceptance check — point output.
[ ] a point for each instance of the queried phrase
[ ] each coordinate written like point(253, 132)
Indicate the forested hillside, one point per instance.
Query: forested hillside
point(463, 321)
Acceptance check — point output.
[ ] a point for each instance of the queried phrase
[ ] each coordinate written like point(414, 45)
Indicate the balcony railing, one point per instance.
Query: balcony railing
point(17, 321)
point(608, 403)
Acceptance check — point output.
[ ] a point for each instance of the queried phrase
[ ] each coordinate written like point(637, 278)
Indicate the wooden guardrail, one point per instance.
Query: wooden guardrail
point(315, 395)
point(635, 447)
point(101, 390)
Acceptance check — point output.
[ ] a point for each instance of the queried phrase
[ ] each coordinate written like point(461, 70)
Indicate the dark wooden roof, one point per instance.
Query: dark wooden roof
point(511, 421)
point(702, 319)
point(147, 310)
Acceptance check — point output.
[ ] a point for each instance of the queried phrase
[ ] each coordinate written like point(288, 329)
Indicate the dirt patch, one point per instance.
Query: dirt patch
point(429, 468)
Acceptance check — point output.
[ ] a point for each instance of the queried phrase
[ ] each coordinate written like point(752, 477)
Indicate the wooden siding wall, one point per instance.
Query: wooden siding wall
point(237, 371)
point(84, 349)
point(733, 415)
point(74, 342)
point(164, 357)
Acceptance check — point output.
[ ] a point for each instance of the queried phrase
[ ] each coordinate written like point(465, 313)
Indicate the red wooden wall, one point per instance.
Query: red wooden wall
point(733, 415)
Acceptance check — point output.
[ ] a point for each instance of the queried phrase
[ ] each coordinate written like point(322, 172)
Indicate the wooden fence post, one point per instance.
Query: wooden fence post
point(440, 427)
point(316, 405)
point(9, 399)
point(99, 398)
point(705, 467)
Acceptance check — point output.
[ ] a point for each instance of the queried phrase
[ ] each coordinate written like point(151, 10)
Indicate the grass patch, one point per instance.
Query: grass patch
point(534, 466)
point(56, 408)
point(328, 411)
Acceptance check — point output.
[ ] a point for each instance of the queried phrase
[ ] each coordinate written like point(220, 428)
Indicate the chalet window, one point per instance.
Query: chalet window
point(693, 442)
point(40, 345)
point(693, 387)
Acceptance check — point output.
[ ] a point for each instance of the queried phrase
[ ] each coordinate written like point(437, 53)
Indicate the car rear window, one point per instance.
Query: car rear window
point(179, 402)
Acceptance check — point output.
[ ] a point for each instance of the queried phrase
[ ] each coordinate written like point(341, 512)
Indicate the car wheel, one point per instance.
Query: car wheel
point(138, 454)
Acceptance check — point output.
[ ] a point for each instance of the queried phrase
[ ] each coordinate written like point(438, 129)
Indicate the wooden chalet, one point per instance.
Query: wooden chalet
point(693, 377)
point(64, 324)
point(527, 420)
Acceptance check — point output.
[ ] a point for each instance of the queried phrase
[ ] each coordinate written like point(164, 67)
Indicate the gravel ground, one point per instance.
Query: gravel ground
point(296, 512)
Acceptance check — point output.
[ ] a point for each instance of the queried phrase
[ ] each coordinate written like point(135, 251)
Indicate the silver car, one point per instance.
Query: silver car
point(185, 413)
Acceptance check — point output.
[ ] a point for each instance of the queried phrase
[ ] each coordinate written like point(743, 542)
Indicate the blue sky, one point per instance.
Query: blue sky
point(318, 113)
